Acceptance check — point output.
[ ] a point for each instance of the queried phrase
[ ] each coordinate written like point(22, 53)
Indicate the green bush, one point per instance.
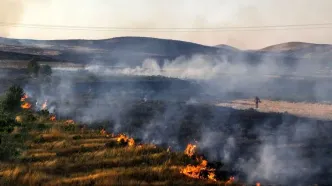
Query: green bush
point(33, 67)
point(11, 101)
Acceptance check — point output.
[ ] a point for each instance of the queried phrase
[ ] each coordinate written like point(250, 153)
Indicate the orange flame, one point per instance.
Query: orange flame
point(53, 118)
point(70, 122)
point(200, 171)
point(44, 106)
point(231, 180)
point(103, 132)
point(25, 96)
point(125, 139)
point(258, 184)
point(190, 150)
point(26, 105)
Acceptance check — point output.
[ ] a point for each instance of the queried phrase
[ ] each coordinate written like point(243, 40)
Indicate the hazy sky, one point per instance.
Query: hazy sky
point(170, 14)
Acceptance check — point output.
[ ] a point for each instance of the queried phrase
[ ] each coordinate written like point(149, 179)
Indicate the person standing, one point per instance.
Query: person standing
point(257, 100)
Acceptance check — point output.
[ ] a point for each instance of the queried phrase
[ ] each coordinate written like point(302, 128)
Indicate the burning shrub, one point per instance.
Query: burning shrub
point(200, 171)
point(53, 118)
point(190, 150)
point(123, 139)
point(204, 170)
point(69, 122)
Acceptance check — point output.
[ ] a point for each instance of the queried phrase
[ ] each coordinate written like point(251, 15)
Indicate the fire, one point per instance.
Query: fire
point(258, 184)
point(200, 171)
point(103, 132)
point(25, 96)
point(190, 150)
point(231, 180)
point(53, 118)
point(44, 106)
point(125, 139)
point(26, 105)
point(70, 122)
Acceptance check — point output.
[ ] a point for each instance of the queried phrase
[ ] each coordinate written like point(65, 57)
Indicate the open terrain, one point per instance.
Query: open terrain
point(302, 109)
point(285, 141)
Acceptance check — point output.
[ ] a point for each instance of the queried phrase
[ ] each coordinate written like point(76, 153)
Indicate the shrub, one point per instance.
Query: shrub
point(11, 101)
point(33, 67)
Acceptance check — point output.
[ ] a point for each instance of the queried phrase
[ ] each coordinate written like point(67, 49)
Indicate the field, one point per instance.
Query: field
point(302, 109)
point(62, 154)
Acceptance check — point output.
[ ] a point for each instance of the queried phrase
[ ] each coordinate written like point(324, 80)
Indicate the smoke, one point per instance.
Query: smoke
point(10, 12)
point(145, 112)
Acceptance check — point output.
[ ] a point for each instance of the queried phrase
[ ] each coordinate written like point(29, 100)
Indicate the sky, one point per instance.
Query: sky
point(67, 15)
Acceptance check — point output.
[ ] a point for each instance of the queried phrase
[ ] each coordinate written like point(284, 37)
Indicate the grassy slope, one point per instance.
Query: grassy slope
point(55, 156)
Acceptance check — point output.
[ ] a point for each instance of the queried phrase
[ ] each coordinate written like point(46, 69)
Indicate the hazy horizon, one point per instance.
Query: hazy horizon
point(56, 20)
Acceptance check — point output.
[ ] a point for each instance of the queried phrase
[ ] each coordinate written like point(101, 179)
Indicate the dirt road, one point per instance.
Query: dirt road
point(312, 110)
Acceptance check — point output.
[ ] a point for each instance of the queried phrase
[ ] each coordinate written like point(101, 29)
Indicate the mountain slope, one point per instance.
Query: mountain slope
point(293, 46)
point(131, 50)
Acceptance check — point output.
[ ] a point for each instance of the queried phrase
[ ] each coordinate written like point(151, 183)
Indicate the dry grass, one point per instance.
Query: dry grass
point(313, 110)
point(56, 158)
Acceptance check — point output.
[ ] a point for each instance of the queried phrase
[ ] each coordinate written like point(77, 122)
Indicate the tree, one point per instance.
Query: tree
point(33, 67)
point(11, 101)
point(45, 70)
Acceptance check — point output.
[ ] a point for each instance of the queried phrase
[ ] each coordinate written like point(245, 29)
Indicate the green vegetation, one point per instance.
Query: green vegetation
point(35, 69)
point(9, 106)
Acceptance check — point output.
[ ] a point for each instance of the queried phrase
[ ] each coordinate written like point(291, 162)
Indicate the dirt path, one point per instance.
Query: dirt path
point(313, 110)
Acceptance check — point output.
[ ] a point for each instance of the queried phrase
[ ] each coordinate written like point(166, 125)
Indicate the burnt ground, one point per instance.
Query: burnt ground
point(278, 147)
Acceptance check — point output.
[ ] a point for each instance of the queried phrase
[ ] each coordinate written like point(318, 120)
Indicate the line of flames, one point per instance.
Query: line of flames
point(25, 104)
point(190, 170)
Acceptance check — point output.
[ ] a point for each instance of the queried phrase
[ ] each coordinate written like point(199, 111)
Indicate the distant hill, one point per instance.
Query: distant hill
point(227, 47)
point(131, 50)
point(296, 46)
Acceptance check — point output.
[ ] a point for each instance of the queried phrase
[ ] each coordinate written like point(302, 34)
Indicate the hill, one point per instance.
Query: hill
point(293, 46)
point(227, 47)
point(130, 50)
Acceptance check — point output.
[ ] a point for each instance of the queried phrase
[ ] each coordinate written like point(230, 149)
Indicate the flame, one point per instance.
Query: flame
point(26, 105)
point(190, 150)
point(124, 138)
point(70, 122)
point(103, 132)
point(25, 96)
point(200, 171)
point(258, 184)
point(231, 180)
point(44, 106)
point(53, 118)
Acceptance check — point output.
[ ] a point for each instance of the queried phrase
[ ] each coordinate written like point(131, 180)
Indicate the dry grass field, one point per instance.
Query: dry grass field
point(312, 110)
point(56, 156)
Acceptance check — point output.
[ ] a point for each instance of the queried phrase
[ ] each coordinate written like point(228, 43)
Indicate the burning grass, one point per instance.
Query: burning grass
point(123, 139)
point(56, 156)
